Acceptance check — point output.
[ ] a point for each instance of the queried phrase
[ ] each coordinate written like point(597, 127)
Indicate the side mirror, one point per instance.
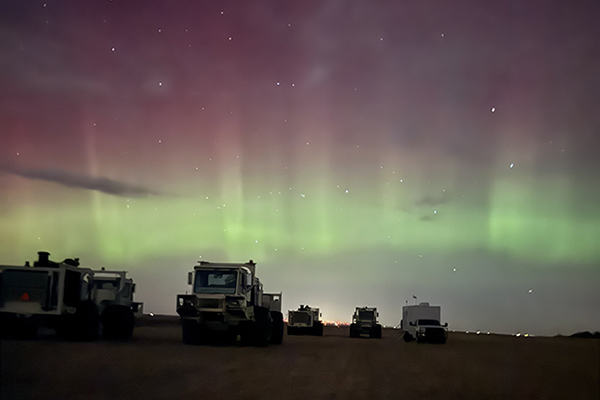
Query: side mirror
point(446, 325)
point(133, 288)
point(190, 278)
point(411, 324)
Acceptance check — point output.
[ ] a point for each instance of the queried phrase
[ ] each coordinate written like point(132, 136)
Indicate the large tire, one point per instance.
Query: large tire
point(262, 327)
point(407, 337)
point(27, 330)
point(17, 328)
point(276, 327)
point(191, 331)
point(246, 333)
point(81, 326)
point(318, 328)
point(230, 337)
point(353, 332)
point(88, 322)
point(376, 331)
point(117, 323)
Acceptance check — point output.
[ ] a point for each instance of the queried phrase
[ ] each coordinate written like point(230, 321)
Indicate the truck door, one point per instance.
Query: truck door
point(72, 291)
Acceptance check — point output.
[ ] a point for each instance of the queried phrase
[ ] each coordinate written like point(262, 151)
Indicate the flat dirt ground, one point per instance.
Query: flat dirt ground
point(156, 365)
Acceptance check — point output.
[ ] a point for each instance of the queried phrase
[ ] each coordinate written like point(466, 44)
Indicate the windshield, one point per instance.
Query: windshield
point(223, 282)
point(428, 322)
point(366, 315)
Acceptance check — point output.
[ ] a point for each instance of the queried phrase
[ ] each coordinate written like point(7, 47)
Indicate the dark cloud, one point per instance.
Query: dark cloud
point(73, 180)
point(432, 200)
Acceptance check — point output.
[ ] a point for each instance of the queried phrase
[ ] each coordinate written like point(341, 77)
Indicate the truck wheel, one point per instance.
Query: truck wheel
point(83, 325)
point(318, 328)
point(261, 327)
point(13, 327)
point(353, 333)
point(277, 327)
point(231, 336)
point(27, 331)
point(407, 337)
point(117, 323)
point(376, 331)
point(191, 331)
point(246, 334)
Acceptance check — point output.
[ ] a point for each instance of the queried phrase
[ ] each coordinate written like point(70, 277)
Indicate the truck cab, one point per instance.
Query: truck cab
point(57, 295)
point(113, 294)
point(228, 300)
point(364, 323)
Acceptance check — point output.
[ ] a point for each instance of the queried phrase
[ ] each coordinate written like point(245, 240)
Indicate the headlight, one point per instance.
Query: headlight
point(235, 302)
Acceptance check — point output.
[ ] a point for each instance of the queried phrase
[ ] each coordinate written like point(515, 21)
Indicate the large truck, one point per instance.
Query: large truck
point(305, 321)
point(113, 294)
point(364, 323)
point(422, 322)
point(228, 301)
point(73, 300)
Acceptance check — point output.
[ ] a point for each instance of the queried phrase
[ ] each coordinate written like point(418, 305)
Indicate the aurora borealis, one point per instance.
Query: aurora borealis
point(359, 152)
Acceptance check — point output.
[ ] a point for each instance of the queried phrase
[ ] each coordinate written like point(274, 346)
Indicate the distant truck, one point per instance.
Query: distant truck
point(305, 321)
point(228, 301)
point(364, 323)
point(72, 300)
point(422, 322)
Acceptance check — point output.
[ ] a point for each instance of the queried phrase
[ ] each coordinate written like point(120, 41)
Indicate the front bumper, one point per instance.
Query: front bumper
point(432, 335)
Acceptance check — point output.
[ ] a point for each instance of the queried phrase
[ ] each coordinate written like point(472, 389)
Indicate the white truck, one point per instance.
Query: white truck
point(305, 321)
point(72, 300)
point(364, 323)
point(422, 322)
point(228, 301)
point(113, 294)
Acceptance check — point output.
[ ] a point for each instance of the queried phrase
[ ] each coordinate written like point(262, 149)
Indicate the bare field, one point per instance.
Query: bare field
point(156, 365)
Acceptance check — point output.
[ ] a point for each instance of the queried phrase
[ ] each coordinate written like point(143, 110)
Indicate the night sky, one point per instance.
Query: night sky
point(360, 152)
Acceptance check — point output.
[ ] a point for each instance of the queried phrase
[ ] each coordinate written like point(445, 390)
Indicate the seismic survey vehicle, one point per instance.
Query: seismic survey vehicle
point(304, 321)
point(364, 323)
point(422, 322)
point(228, 301)
point(113, 294)
point(65, 297)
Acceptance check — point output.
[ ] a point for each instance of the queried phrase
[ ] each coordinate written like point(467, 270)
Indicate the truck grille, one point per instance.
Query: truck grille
point(366, 315)
point(209, 303)
point(435, 332)
point(300, 318)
